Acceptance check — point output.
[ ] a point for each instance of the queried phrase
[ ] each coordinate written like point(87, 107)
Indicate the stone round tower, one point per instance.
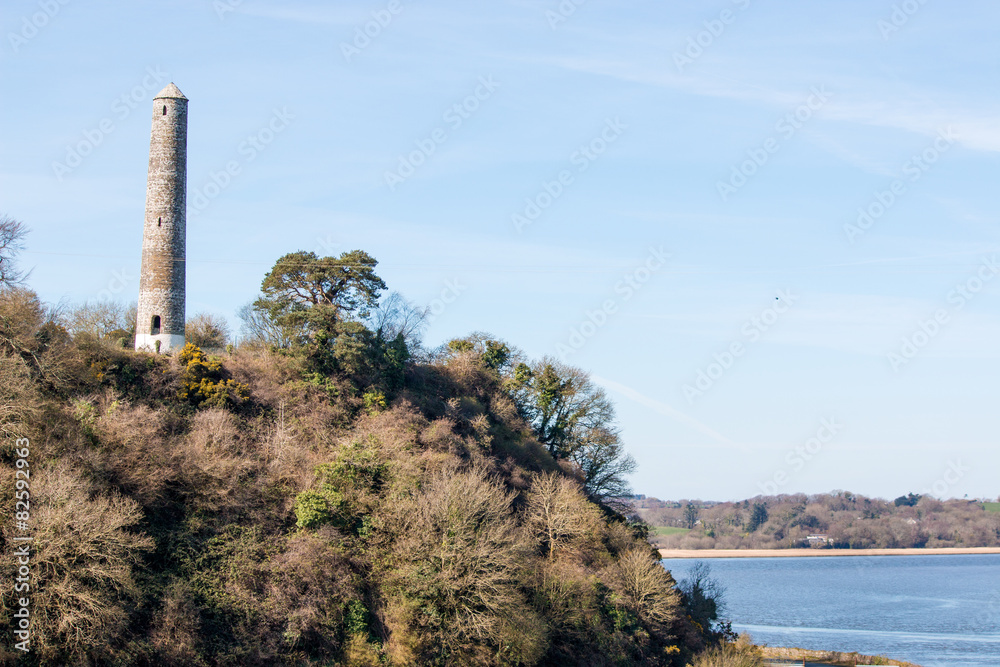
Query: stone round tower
point(161, 283)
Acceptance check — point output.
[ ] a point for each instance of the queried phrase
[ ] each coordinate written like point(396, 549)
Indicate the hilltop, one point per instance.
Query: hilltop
point(325, 493)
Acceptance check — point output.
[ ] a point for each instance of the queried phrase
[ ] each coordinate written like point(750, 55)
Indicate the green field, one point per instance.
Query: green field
point(992, 507)
point(663, 531)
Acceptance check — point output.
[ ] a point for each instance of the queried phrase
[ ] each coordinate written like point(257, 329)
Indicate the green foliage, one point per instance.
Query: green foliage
point(356, 619)
point(318, 292)
point(203, 383)
point(358, 467)
point(496, 355)
point(565, 407)
point(312, 508)
point(86, 415)
point(460, 345)
point(758, 517)
point(120, 337)
point(690, 515)
point(622, 619)
point(374, 402)
point(908, 500)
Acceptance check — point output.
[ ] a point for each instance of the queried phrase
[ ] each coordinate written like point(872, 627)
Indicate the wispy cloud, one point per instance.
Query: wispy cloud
point(856, 100)
point(669, 411)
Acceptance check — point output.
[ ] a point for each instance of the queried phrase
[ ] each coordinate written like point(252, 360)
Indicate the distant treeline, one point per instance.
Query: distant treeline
point(840, 520)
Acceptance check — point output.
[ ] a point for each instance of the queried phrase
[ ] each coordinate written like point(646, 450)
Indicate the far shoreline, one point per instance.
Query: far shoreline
point(796, 553)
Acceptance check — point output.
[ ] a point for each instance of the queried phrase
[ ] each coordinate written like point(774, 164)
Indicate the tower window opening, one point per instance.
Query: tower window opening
point(154, 329)
point(159, 222)
point(164, 109)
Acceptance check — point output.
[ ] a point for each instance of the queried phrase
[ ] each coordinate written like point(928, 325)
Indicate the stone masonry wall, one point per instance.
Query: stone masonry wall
point(162, 279)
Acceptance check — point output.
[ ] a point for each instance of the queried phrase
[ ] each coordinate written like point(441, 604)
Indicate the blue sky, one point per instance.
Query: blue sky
point(558, 152)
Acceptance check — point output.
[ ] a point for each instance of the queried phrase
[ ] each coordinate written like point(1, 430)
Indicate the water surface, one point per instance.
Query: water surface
point(936, 611)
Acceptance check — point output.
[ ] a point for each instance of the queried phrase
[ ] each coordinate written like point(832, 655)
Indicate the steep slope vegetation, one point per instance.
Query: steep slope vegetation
point(245, 509)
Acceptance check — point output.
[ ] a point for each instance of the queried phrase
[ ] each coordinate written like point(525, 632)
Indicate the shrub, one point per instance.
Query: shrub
point(557, 513)
point(374, 402)
point(645, 587)
point(314, 508)
point(85, 550)
point(458, 556)
point(18, 398)
point(741, 653)
point(207, 331)
point(203, 382)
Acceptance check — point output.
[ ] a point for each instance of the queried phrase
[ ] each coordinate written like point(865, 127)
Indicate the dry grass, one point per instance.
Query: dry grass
point(741, 653)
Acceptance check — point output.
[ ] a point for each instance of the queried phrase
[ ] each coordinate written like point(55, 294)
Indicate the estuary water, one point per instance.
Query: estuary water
point(935, 611)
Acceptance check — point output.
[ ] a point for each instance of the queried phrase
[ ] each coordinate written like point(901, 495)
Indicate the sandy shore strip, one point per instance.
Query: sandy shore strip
point(827, 657)
point(795, 553)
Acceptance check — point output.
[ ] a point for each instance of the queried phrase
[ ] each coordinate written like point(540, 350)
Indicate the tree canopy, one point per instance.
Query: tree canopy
point(321, 291)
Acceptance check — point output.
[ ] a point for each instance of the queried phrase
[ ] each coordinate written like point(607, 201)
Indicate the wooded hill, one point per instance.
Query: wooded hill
point(325, 493)
point(841, 520)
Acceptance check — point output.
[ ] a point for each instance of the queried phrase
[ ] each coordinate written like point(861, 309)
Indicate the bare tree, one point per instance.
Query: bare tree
point(459, 554)
point(12, 233)
point(258, 327)
point(605, 465)
point(557, 513)
point(99, 318)
point(207, 331)
point(646, 587)
point(18, 399)
point(395, 315)
point(85, 549)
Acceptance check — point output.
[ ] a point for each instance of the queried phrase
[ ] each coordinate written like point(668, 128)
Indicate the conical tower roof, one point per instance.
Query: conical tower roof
point(171, 91)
